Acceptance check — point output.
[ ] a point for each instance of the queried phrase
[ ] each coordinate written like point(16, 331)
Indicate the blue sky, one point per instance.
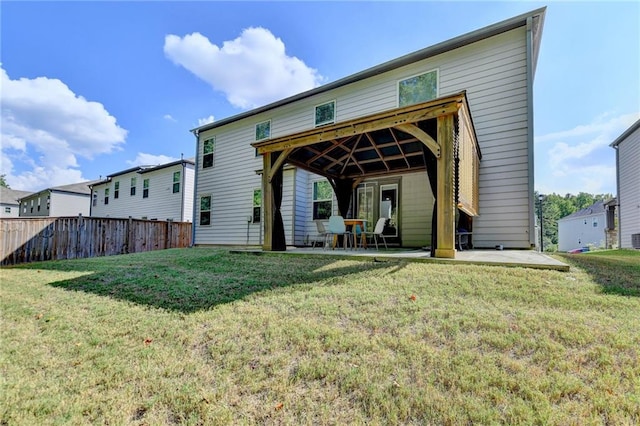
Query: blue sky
point(92, 88)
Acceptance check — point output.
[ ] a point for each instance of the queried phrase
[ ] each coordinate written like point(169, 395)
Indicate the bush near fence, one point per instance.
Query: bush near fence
point(35, 239)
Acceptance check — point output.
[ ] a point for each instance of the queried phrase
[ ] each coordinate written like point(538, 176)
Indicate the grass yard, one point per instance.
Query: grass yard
point(203, 336)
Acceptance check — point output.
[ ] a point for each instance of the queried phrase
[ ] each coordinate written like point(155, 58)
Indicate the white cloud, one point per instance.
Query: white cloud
point(144, 159)
point(45, 127)
point(168, 117)
point(580, 159)
point(206, 120)
point(251, 70)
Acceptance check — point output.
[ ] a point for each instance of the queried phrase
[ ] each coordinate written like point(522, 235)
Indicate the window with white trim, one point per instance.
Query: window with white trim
point(257, 205)
point(133, 186)
point(208, 148)
point(205, 210)
point(263, 130)
point(116, 190)
point(176, 182)
point(7, 209)
point(94, 201)
point(145, 188)
point(322, 200)
point(106, 195)
point(417, 89)
point(325, 114)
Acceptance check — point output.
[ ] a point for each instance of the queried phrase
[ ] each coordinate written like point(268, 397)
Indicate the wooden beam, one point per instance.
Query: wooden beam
point(395, 139)
point(373, 144)
point(422, 136)
point(446, 210)
point(279, 162)
point(267, 193)
point(371, 123)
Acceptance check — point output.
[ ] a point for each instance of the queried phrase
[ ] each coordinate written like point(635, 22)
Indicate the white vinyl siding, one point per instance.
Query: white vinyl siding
point(493, 73)
point(579, 232)
point(68, 204)
point(629, 190)
point(161, 204)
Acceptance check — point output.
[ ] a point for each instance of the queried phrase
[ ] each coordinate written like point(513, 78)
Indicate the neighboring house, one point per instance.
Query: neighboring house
point(58, 201)
point(163, 192)
point(590, 226)
point(9, 201)
point(627, 148)
point(402, 140)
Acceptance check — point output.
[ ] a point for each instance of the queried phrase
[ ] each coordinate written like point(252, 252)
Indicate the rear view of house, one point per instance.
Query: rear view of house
point(435, 141)
point(162, 192)
point(58, 201)
point(10, 201)
point(627, 147)
point(589, 227)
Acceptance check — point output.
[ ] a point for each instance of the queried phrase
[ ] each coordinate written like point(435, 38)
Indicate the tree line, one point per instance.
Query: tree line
point(555, 206)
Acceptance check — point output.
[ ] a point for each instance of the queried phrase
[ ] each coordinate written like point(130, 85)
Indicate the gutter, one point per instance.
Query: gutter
point(530, 144)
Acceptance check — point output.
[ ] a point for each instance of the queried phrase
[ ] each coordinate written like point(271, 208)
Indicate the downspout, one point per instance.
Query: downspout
point(195, 190)
point(530, 147)
point(182, 185)
point(618, 210)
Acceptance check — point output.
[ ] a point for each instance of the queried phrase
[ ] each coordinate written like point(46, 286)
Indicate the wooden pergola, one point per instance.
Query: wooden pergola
point(436, 136)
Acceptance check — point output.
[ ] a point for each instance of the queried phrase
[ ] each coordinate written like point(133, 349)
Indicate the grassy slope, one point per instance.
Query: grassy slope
point(203, 336)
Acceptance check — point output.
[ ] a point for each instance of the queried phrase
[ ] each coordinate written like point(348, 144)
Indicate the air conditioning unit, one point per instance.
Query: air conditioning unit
point(635, 241)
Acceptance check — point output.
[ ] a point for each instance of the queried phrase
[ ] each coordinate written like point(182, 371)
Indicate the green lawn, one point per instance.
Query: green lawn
point(203, 336)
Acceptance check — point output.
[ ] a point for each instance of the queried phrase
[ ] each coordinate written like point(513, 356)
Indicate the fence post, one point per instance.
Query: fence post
point(167, 244)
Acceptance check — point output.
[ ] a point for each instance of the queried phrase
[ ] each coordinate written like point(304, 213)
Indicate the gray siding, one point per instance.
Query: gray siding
point(629, 190)
point(492, 71)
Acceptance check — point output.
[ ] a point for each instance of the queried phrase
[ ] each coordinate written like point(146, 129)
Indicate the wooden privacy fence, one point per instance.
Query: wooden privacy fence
point(29, 240)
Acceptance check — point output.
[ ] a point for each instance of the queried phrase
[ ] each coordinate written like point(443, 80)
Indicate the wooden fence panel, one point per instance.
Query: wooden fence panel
point(28, 240)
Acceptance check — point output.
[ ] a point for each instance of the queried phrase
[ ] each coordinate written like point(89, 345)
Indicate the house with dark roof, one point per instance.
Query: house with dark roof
point(593, 226)
point(627, 147)
point(160, 192)
point(9, 201)
point(58, 201)
point(436, 141)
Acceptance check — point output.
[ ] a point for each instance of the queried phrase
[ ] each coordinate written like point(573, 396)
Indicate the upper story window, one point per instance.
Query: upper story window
point(176, 182)
point(7, 209)
point(133, 186)
point(263, 130)
point(208, 148)
point(257, 205)
point(145, 188)
point(94, 201)
point(325, 113)
point(116, 190)
point(205, 210)
point(322, 200)
point(417, 89)
point(106, 196)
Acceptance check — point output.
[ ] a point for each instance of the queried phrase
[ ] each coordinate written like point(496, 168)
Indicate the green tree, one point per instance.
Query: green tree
point(3, 182)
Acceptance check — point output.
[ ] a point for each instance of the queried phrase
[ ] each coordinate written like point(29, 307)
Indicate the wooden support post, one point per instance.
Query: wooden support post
point(267, 194)
point(446, 206)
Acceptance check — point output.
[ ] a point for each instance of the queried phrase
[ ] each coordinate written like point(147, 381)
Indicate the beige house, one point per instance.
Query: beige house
point(437, 141)
point(627, 147)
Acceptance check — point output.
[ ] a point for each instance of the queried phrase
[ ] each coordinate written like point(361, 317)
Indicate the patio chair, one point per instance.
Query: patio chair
point(377, 232)
point(322, 234)
point(337, 228)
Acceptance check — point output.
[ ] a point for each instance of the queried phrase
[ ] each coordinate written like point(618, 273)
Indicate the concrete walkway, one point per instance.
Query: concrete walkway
point(518, 258)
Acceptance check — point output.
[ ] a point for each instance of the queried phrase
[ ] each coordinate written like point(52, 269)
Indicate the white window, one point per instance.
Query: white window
point(106, 195)
point(176, 182)
point(257, 205)
point(94, 201)
point(322, 200)
point(325, 114)
point(7, 209)
point(145, 188)
point(263, 130)
point(417, 89)
point(208, 148)
point(595, 222)
point(205, 210)
point(116, 190)
point(133, 186)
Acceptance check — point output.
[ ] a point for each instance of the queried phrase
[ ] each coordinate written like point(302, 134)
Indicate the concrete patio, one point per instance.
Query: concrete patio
point(515, 258)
